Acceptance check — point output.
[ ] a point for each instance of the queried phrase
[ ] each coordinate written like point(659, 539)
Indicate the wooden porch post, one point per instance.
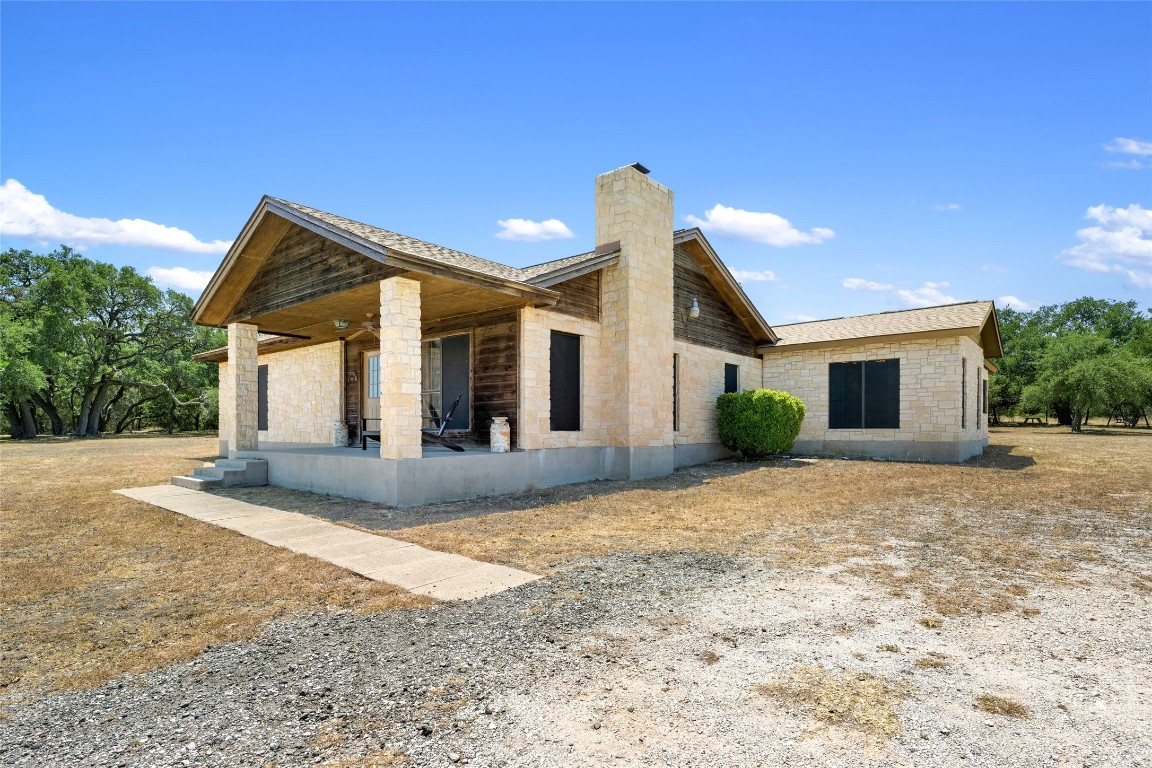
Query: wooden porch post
point(238, 395)
point(400, 368)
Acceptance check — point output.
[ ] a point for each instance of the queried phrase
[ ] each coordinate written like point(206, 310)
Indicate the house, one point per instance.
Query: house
point(606, 364)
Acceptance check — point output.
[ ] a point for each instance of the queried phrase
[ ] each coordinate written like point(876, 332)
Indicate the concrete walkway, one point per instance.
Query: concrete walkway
point(419, 570)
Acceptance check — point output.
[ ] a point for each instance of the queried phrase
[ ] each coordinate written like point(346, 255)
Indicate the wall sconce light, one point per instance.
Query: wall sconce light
point(341, 325)
point(694, 310)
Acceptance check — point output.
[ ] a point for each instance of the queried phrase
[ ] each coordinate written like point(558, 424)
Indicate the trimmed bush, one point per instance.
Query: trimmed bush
point(759, 423)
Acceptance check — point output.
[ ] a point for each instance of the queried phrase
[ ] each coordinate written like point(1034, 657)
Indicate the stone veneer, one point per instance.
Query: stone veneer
point(636, 315)
point(304, 394)
point(701, 382)
point(238, 393)
point(534, 371)
point(930, 399)
point(400, 368)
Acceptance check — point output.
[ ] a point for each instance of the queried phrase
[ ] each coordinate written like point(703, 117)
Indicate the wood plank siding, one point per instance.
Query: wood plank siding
point(494, 372)
point(718, 326)
point(305, 266)
point(579, 297)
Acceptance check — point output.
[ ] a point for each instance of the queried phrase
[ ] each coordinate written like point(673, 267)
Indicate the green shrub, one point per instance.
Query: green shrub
point(759, 423)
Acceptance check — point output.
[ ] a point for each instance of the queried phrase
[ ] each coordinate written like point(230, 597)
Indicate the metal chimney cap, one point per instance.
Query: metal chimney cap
point(640, 168)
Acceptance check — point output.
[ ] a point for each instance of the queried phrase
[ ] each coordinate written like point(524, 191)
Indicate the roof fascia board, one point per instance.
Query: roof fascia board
point(412, 263)
point(859, 341)
point(750, 316)
point(578, 270)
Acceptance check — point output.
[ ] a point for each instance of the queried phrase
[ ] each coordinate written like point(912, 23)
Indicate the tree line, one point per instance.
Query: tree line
point(88, 348)
point(1087, 357)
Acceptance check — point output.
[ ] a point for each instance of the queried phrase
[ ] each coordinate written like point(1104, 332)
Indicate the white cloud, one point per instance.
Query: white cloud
point(760, 227)
point(179, 277)
point(1120, 242)
point(25, 214)
point(533, 231)
point(1015, 303)
point(946, 206)
point(927, 295)
point(745, 276)
point(1130, 146)
point(860, 284)
point(801, 318)
point(1128, 165)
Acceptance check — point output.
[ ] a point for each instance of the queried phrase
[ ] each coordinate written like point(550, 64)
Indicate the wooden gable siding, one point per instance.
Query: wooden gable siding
point(579, 297)
point(494, 375)
point(305, 266)
point(718, 326)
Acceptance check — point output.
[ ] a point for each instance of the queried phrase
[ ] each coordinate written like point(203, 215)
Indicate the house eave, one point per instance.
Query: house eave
point(857, 341)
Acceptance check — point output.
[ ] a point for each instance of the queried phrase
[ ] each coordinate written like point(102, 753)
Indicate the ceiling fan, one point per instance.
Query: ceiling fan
point(368, 326)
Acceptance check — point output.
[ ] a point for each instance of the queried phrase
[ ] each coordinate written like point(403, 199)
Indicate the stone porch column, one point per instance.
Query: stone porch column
point(400, 368)
point(238, 393)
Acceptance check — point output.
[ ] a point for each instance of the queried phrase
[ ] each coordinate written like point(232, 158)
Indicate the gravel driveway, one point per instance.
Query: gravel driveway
point(675, 658)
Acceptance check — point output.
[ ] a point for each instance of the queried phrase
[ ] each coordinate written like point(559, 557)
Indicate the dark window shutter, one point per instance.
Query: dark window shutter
point(882, 394)
point(731, 377)
point(564, 381)
point(845, 396)
point(675, 392)
point(261, 397)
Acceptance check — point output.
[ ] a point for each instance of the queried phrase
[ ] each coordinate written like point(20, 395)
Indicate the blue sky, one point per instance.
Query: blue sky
point(842, 158)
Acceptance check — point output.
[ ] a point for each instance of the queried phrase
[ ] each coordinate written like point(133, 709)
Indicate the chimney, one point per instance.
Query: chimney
point(637, 317)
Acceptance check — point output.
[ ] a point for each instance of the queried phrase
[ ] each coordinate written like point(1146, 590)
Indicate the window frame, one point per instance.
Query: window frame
point(863, 392)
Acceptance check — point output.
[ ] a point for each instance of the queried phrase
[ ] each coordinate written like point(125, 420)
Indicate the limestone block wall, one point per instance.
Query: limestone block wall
point(227, 393)
point(304, 394)
point(534, 391)
point(400, 366)
point(930, 398)
point(636, 305)
point(241, 401)
point(701, 382)
point(976, 423)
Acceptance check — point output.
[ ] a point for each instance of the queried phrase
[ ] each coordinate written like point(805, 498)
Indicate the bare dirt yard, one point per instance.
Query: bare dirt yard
point(788, 612)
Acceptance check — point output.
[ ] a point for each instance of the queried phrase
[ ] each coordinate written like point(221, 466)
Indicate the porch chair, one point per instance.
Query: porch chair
point(436, 434)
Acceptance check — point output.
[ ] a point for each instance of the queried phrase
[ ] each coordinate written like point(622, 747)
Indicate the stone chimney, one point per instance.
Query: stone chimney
point(637, 320)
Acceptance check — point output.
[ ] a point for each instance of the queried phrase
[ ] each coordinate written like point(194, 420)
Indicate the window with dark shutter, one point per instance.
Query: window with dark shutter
point(261, 397)
point(864, 395)
point(675, 393)
point(731, 377)
point(564, 382)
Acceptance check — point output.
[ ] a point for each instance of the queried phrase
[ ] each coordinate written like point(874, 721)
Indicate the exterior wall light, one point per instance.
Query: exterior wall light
point(694, 310)
point(341, 325)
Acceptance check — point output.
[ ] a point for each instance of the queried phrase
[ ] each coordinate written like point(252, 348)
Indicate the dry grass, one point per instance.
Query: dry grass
point(998, 705)
point(849, 698)
point(94, 585)
point(968, 538)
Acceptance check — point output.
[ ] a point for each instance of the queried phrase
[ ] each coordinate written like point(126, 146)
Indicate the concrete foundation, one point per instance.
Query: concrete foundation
point(446, 476)
point(935, 451)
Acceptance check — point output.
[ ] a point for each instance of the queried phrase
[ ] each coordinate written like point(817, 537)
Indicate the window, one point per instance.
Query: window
point(984, 386)
point(675, 393)
point(864, 395)
point(564, 382)
point(731, 378)
point(261, 397)
point(963, 393)
point(374, 375)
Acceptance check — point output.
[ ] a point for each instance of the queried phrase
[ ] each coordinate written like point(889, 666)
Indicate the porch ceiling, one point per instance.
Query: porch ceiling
point(440, 298)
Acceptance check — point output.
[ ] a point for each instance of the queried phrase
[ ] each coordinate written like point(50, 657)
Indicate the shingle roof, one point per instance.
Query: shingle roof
point(529, 273)
point(409, 245)
point(967, 315)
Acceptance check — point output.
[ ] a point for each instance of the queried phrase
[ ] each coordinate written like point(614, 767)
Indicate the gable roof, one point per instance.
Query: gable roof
point(976, 318)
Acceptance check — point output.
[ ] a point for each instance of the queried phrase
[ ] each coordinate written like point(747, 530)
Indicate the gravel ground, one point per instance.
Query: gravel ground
point(635, 660)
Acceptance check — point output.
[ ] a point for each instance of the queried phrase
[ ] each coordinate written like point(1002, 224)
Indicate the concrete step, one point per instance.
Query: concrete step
point(225, 473)
point(197, 483)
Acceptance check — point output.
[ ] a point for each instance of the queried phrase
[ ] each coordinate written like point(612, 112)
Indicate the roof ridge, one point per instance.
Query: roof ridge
point(886, 312)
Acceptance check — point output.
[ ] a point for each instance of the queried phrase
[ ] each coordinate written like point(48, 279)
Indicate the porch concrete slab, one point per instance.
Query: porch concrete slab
point(423, 571)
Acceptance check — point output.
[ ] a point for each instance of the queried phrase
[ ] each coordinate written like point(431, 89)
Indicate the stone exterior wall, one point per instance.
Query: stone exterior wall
point(227, 392)
point(304, 394)
point(930, 399)
point(701, 382)
point(636, 306)
point(535, 365)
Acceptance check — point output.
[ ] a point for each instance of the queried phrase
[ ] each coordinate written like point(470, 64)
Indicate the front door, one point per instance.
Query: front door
point(445, 375)
point(371, 394)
